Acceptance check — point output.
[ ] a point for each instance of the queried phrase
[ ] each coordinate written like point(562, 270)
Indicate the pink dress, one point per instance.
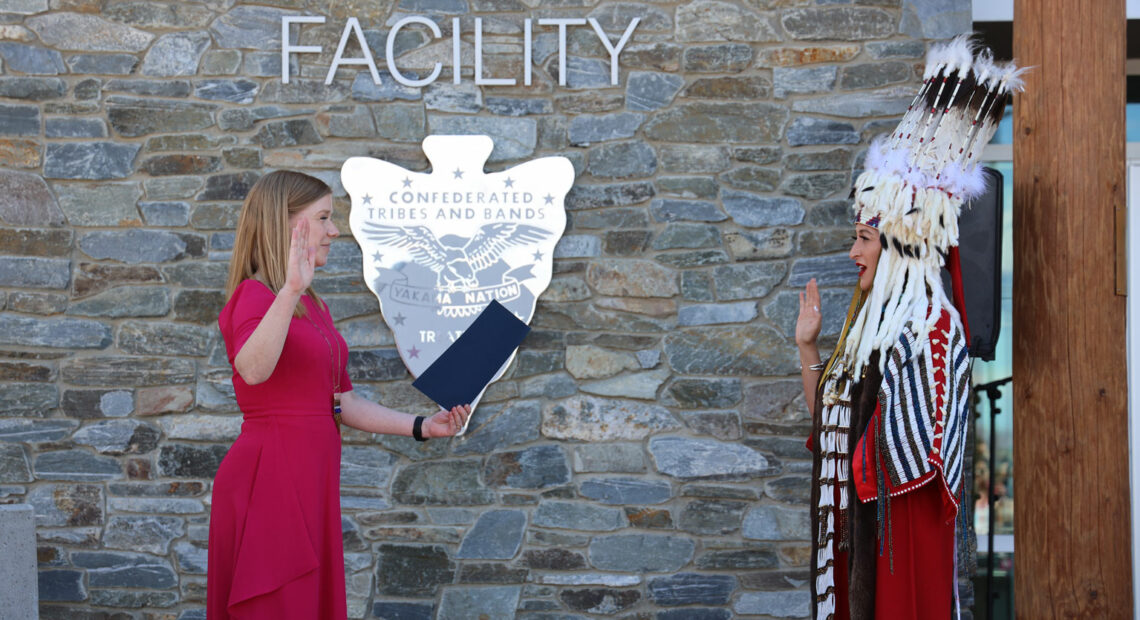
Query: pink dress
point(275, 547)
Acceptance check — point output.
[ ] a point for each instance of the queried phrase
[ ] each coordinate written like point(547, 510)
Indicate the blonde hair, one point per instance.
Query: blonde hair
point(261, 241)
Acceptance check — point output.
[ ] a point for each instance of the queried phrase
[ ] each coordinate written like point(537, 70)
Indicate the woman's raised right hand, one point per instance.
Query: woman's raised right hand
point(302, 260)
point(810, 320)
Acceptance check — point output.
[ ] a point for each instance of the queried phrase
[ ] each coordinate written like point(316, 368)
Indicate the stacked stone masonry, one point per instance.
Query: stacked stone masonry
point(642, 459)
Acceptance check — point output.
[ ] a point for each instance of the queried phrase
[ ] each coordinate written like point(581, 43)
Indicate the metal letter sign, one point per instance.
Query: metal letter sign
point(439, 246)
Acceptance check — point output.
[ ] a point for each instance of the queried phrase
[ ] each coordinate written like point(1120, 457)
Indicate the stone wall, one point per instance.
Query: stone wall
point(643, 459)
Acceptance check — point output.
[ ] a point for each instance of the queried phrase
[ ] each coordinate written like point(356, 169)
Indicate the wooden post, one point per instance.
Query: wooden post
point(1070, 397)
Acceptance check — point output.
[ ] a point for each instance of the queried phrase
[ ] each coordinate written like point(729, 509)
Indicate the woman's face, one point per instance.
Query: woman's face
point(321, 228)
point(865, 252)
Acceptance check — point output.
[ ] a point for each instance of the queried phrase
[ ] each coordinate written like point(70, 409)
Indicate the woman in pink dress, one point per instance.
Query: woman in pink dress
point(275, 547)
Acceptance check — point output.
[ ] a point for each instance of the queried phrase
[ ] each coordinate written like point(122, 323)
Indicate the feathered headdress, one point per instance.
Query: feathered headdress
point(913, 186)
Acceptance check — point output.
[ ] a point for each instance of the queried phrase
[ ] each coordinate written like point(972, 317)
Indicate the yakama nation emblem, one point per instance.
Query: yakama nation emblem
point(439, 246)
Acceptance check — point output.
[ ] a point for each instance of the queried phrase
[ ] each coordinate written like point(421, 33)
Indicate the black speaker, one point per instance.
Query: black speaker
point(979, 246)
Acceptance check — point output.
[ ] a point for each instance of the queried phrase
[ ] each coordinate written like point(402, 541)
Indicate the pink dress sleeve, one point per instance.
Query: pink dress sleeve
point(243, 313)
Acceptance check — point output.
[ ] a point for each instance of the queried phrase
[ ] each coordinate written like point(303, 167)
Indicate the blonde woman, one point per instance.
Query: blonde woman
point(275, 547)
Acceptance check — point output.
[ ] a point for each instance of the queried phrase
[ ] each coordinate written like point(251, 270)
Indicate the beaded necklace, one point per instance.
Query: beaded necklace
point(334, 357)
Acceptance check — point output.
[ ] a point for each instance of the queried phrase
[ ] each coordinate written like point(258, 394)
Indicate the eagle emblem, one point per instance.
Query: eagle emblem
point(456, 266)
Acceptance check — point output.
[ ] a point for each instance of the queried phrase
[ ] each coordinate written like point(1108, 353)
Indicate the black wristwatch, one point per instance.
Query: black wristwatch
point(417, 429)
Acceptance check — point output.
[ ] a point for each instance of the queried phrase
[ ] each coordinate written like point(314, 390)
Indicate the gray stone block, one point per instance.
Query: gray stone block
point(365, 466)
point(646, 91)
point(132, 301)
point(719, 58)
point(89, 160)
point(14, 465)
point(232, 91)
point(102, 64)
point(75, 128)
point(748, 280)
point(118, 437)
point(754, 210)
point(892, 101)
point(827, 270)
point(32, 399)
point(497, 535)
point(32, 88)
point(77, 465)
point(138, 246)
point(713, 314)
point(517, 423)
point(402, 611)
point(34, 272)
point(88, 33)
point(60, 586)
point(177, 53)
point(151, 534)
point(578, 246)
point(465, 98)
point(622, 160)
point(19, 592)
point(112, 569)
point(576, 516)
point(515, 138)
point(681, 457)
point(585, 129)
point(165, 213)
point(250, 27)
point(681, 235)
point(806, 130)
point(935, 19)
point(583, 197)
point(842, 23)
point(691, 589)
point(651, 553)
point(672, 209)
point(767, 522)
point(787, 604)
point(712, 20)
point(31, 59)
point(626, 491)
point(511, 106)
point(752, 178)
point(479, 602)
point(19, 120)
point(609, 457)
point(533, 468)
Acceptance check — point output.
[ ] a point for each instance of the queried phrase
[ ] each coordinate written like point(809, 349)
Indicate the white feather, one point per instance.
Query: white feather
point(1011, 79)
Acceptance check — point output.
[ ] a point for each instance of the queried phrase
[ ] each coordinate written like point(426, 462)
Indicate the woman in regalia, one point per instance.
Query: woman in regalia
point(889, 406)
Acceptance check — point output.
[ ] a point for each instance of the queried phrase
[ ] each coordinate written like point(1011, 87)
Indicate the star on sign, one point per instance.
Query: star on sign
point(509, 182)
point(413, 352)
point(458, 173)
point(367, 199)
point(399, 318)
point(537, 255)
point(377, 257)
point(407, 182)
point(549, 199)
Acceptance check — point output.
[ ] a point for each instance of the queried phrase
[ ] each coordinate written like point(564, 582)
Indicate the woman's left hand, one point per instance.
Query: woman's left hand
point(447, 423)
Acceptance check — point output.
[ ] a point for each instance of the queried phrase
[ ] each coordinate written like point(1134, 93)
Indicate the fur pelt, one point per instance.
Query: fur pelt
point(858, 530)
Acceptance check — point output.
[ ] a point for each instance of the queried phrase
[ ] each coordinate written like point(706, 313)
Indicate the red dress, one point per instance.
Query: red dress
point(275, 547)
point(914, 574)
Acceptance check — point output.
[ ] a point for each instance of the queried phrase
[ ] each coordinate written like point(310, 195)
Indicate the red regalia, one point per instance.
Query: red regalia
point(889, 430)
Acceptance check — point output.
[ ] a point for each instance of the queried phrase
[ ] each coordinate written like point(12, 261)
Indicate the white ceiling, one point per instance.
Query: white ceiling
point(1002, 10)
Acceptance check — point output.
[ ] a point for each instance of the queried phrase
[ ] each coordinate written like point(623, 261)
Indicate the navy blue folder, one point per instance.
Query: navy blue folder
point(459, 375)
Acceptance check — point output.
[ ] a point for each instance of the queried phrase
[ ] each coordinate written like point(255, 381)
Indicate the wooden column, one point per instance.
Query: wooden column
point(1070, 397)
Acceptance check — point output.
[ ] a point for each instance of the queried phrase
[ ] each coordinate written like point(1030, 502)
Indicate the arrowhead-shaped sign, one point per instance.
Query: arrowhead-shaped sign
point(439, 246)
